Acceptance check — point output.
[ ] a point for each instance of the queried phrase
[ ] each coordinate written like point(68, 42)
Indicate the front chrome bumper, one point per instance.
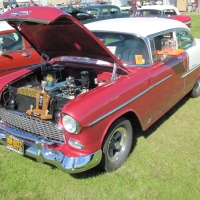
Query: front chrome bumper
point(35, 148)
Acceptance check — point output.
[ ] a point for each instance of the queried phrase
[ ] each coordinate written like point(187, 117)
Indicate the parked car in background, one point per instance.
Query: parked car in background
point(78, 13)
point(15, 52)
point(104, 11)
point(164, 11)
point(100, 81)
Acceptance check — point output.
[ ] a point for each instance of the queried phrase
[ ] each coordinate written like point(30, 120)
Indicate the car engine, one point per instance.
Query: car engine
point(43, 93)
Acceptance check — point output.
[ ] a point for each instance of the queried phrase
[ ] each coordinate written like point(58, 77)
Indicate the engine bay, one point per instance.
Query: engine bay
point(43, 93)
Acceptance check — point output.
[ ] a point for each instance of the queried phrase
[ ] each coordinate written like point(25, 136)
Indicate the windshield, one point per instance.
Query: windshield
point(148, 13)
point(129, 49)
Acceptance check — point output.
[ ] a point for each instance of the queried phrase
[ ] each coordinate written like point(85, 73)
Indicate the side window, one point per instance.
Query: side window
point(184, 39)
point(169, 13)
point(156, 44)
point(104, 11)
point(114, 11)
point(153, 50)
point(91, 11)
point(11, 41)
point(153, 13)
point(1, 42)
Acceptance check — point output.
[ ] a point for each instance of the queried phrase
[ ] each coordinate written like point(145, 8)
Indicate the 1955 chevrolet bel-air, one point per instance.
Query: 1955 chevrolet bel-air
point(95, 83)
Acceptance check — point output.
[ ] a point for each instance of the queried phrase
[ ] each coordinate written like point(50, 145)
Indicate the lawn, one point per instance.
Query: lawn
point(165, 164)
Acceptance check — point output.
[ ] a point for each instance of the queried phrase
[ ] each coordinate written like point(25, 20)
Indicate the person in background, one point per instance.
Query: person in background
point(159, 2)
point(196, 6)
point(132, 11)
point(138, 4)
point(1, 10)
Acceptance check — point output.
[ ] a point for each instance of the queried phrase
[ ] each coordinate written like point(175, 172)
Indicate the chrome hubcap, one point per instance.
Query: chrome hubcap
point(117, 144)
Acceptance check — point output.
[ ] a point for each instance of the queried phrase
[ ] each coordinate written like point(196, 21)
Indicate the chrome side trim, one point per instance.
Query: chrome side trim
point(190, 71)
point(36, 148)
point(129, 101)
point(14, 68)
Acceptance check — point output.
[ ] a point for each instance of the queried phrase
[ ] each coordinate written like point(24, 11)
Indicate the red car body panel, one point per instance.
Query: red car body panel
point(186, 19)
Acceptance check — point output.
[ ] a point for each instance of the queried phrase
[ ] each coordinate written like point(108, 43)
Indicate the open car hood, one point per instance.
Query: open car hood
point(53, 32)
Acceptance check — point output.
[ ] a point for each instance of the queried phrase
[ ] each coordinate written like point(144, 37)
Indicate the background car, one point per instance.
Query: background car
point(79, 109)
point(18, 54)
point(163, 11)
point(104, 11)
point(78, 13)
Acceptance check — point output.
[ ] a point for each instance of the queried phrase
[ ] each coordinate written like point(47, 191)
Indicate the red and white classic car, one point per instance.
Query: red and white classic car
point(164, 11)
point(15, 52)
point(77, 110)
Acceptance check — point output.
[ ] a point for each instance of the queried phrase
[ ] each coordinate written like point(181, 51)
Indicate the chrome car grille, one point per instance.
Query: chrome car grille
point(31, 125)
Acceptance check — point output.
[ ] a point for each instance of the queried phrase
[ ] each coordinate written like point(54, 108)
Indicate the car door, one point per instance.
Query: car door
point(16, 56)
point(167, 81)
point(186, 42)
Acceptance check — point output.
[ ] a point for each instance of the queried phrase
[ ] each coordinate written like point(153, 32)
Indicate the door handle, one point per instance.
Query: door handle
point(179, 58)
point(26, 54)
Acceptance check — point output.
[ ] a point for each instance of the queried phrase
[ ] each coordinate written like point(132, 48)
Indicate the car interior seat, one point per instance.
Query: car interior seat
point(134, 50)
point(18, 45)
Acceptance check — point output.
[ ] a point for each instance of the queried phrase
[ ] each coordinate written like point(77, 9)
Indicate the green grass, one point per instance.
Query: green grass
point(165, 164)
point(196, 25)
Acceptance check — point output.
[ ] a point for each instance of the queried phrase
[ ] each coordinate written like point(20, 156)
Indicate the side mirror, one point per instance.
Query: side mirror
point(164, 58)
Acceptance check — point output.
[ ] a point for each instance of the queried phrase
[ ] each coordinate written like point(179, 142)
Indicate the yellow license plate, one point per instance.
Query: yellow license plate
point(15, 144)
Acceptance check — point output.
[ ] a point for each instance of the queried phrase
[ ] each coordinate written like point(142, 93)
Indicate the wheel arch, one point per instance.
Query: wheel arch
point(129, 115)
point(195, 92)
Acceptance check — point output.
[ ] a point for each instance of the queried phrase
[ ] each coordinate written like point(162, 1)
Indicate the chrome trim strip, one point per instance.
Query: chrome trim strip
point(188, 22)
point(41, 153)
point(14, 68)
point(190, 71)
point(127, 102)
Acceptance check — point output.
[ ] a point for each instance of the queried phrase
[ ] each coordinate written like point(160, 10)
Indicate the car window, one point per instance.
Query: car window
point(67, 9)
point(11, 41)
point(91, 11)
point(169, 13)
point(185, 39)
point(156, 44)
point(149, 13)
point(153, 50)
point(114, 11)
point(104, 11)
point(130, 49)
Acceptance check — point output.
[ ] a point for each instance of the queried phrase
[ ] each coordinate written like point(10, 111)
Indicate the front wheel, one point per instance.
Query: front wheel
point(196, 90)
point(117, 145)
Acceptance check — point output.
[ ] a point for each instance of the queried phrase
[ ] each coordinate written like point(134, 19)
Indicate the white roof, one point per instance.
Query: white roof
point(160, 7)
point(5, 26)
point(141, 26)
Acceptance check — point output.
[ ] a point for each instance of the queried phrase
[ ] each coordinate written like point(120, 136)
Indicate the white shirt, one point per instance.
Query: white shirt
point(159, 2)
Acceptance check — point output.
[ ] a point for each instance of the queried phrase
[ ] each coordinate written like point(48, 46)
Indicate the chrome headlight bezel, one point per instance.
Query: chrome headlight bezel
point(70, 124)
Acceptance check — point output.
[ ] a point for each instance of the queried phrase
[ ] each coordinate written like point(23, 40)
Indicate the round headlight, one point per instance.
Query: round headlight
point(70, 124)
